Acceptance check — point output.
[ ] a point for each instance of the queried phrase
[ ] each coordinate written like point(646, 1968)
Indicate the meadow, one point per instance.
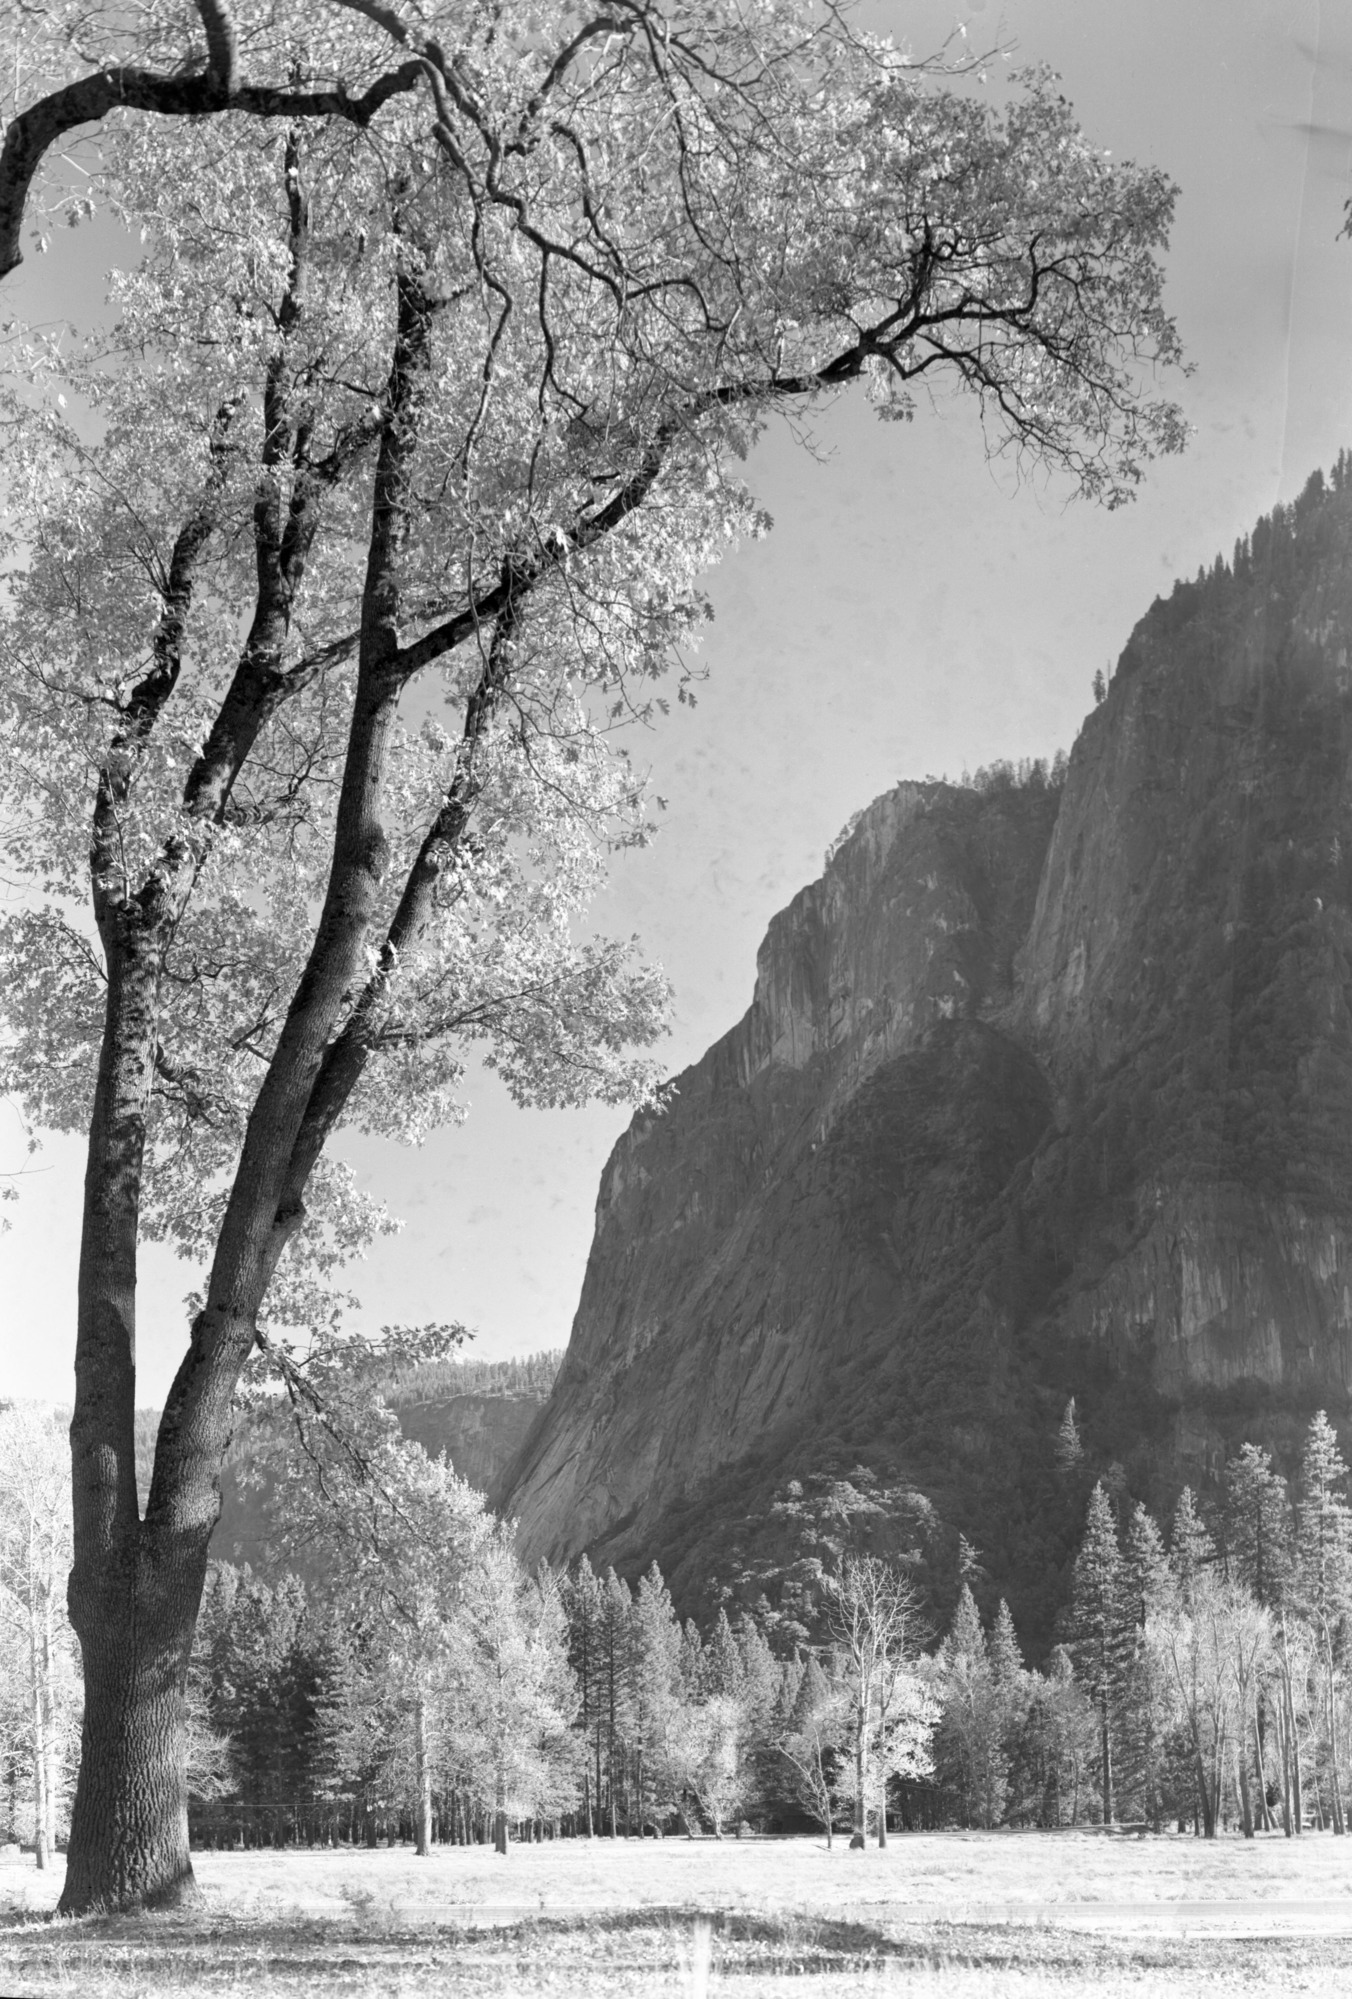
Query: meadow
point(953, 1914)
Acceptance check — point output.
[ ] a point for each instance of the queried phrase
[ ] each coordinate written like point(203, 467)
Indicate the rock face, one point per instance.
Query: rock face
point(1046, 1089)
point(480, 1434)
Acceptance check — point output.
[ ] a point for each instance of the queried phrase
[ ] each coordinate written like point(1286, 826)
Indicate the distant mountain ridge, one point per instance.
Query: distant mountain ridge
point(1046, 1090)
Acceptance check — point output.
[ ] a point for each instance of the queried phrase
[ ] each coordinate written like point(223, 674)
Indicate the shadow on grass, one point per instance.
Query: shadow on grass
point(187, 1951)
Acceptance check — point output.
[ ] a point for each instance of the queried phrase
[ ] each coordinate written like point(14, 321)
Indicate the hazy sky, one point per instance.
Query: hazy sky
point(915, 610)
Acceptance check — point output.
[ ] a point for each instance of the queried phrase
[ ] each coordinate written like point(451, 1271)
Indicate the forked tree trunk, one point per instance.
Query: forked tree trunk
point(136, 1584)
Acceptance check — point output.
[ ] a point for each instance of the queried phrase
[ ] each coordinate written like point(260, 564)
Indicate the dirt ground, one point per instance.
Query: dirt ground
point(956, 1914)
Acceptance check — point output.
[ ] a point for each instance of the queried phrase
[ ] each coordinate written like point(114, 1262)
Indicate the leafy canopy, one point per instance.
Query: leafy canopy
point(450, 328)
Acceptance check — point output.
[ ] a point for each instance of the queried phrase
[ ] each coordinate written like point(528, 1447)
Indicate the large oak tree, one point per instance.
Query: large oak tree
point(389, 494)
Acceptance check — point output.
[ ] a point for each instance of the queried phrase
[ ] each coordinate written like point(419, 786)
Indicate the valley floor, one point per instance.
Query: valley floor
point(944, 1916)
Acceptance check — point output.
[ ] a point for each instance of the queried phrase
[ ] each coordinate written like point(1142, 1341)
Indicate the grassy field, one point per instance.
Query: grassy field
point(958, 1914)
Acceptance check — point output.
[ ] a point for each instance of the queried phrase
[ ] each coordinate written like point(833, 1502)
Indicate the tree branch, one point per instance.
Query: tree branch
point(33, 133)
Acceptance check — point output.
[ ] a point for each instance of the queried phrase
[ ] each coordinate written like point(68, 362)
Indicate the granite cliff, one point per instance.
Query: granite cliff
point(1045, 1090)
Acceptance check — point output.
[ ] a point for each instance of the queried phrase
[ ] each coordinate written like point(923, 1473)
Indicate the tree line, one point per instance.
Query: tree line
point(420, 1684)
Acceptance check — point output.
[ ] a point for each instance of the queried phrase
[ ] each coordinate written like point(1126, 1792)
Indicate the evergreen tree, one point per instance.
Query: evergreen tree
point(656, 1694)
point(813, 1744)
point(724, 1670)
point(1257, 1521)
point(1099, 1628)
point(761, 1712)
point(1062, 1738)
point(1013, 1692)
point(970, 1730)
point(582, 1599)
point(1006, 1654)
point(613, 1633)
point(1191, 1548)
point(1069, 1449)
point(1323, 1527)
point(1323, 1573)
point(1148, 1708)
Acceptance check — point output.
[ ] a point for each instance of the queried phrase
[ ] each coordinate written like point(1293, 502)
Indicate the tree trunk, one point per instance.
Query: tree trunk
point(1335, 1788)
point(1265, 1818)
point(135, 1586)
point(422, 1813)
point(40, 1705)
point(1106, 1759)
point(1205, 1808)
point(500, 1812)
point(1284, 1746)
point(1242, 1773)
point(129, 1828)
point(859, 1838)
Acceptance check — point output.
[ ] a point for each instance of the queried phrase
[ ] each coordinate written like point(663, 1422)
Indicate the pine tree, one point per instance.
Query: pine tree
point(1257, 1519)
point(966, 1637)
point(1323, 1573)
point(723, 1661)
point(1013, 1694)
point(1099, 1629)
point(656, 1690)
point(759, 1713)
point(1151, 1594)
point(1323, 1527)
point(1006, 1654)
point(1191, 1548)
point(583, 1608)
point(614, 1633)
point(1069, 1449)
point(971, 1730)
point(1259, 1557)
point(813, 1744)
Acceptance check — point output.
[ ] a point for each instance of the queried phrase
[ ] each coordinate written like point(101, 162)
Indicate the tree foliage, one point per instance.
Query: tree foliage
point(388, 496)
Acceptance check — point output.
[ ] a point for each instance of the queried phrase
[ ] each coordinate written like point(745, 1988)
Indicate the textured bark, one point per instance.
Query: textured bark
point(129, 1829)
